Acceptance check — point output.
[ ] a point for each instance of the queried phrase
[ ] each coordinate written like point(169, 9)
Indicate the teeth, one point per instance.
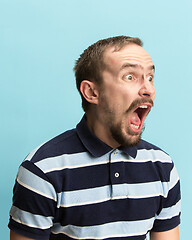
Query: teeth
point(143, 106)
point(134, 126)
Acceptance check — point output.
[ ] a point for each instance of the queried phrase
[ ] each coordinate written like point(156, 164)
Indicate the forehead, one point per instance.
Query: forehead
point(131, 53)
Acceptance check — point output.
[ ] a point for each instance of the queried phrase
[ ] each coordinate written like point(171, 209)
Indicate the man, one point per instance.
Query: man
point(100, 180)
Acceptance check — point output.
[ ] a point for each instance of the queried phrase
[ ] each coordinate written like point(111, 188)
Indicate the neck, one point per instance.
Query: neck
point(101, 131)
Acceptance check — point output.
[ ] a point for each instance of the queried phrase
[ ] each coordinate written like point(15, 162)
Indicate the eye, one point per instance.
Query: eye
point(129, 77)
point(150, 78)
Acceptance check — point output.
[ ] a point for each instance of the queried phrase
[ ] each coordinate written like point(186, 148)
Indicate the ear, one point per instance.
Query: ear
point(89, 91)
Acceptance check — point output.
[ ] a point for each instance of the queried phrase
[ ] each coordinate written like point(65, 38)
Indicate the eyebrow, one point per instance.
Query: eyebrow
point(130, 65)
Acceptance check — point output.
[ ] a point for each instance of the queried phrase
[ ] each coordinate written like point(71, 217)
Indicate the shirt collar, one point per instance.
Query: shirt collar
point(94, 145)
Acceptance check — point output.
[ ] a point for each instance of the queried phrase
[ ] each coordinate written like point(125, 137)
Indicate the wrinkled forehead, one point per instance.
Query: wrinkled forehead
point(130, 53)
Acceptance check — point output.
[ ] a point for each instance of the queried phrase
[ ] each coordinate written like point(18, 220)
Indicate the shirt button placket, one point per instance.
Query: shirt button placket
point(115, 174)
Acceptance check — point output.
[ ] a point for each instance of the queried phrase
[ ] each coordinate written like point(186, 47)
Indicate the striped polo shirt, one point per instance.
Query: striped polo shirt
point(77, 187)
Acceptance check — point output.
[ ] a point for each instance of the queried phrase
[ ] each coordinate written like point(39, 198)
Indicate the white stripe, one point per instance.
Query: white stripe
point(35, 184)
point(168, 213)
point(95, 195)
point(174, 178)
point(118, 191)
point(108, 230)
point(29, 219)
point(84, 159)
point(153, 155)
point(144, 160)
point(70, 161)
point(145, 155)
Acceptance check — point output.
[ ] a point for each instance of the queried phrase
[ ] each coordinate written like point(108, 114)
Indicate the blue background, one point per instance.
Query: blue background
point(39, 43)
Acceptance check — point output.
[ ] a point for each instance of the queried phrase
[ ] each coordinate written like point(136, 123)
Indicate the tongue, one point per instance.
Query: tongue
point(135, 119)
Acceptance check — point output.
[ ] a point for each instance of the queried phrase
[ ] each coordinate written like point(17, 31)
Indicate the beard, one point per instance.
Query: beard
point(120, 131)
point(128, 139)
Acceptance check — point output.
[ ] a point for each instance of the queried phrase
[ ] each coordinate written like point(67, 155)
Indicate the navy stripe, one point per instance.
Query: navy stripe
point(59, 145)
point(173, 197)
point(99, 175)
point(118, 210)
point(40, 234)
point(33, 202)
point(148, 146)
point(165, 225)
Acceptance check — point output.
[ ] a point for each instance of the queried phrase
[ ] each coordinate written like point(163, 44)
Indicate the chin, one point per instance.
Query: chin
point(132, 141)
point(125, 136)
point(127, 140)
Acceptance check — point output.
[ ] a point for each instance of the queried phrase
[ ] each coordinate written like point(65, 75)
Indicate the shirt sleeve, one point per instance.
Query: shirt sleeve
point(169, 214)
point(34, 203)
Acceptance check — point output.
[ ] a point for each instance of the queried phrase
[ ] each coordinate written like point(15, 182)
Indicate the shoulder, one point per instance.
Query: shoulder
point(147, 149)
point(158, 160)
point(48, 162)
point(65, 143)
point(148, 146)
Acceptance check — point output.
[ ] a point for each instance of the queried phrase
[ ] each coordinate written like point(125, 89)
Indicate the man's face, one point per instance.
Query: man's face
point(126, 93)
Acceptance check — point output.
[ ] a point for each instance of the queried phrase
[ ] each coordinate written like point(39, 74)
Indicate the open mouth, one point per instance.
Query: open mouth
point(138, 116)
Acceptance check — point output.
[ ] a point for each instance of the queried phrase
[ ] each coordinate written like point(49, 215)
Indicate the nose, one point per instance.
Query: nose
point(147, 89)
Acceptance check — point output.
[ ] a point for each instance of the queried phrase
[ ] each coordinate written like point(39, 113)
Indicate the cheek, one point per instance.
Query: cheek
point(118, 97)
point(127, 96)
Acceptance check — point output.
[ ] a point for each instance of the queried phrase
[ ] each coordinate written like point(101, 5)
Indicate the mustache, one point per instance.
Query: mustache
point(139, 102)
